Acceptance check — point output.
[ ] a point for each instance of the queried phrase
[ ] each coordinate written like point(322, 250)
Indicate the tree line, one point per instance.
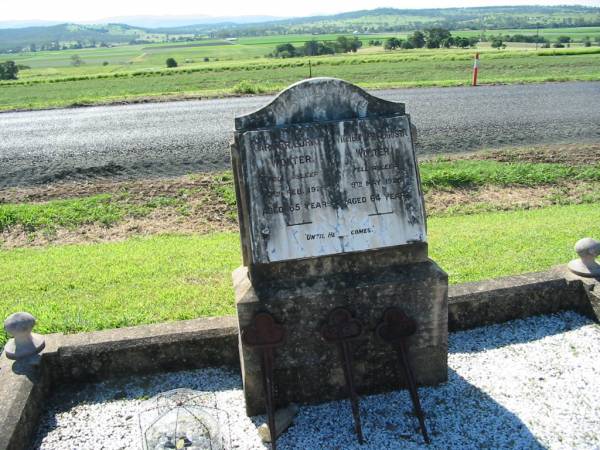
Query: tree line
point(342, 44)
point(560, 42)
point(430, 38)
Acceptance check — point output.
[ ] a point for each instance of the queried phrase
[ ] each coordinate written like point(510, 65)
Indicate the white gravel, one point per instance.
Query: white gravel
point(526, 384)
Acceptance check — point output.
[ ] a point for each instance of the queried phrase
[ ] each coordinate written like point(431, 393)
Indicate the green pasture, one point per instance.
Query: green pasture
point(53, 64)
point(577, 34)
point(128, 57)
point(391, 69)
point(72, 288)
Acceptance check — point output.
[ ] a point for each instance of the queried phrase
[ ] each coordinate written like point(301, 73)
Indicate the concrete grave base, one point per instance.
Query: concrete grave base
point(210, 342)
point(307, 369)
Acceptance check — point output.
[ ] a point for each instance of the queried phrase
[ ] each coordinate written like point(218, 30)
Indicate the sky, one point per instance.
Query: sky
point(85, 10)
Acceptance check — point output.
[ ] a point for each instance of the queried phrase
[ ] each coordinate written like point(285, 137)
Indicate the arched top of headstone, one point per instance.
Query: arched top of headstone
point(318, 100)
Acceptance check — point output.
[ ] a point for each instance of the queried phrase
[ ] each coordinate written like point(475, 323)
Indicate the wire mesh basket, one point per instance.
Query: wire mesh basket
point(184, 419)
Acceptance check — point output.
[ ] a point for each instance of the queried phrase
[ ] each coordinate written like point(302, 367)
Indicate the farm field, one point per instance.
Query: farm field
point(213, 67)
point(577, 34)
point(380, 70)
point(144, 56)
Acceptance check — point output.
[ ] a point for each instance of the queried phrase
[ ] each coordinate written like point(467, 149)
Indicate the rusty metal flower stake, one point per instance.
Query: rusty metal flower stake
point(394, 329)
point(264, 334)
point(340, 329)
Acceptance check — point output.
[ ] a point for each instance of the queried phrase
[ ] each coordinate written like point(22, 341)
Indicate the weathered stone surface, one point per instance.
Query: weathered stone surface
point(594, 299)
point(590, 292)
point(24, 343)
point(344, 263)
point(331, 188)
point(588, 250)
point(331, 215)
point(334, 172)
point(318, 100)
point(162, 347)
point(501, 299)
point(307, 369)
point(23, 388)
point(283, 419)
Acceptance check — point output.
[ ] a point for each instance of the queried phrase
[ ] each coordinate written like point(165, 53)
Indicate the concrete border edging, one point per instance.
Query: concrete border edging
point(472, 305)
point(205, 342)
point(163, 347)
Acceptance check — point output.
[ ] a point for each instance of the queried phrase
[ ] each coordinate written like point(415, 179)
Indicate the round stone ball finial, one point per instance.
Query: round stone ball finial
point(24, 343)
point(588, 250)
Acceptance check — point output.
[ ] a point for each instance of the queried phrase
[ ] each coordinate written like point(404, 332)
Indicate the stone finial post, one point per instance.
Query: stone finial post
point(586, 266)
point(24, 342)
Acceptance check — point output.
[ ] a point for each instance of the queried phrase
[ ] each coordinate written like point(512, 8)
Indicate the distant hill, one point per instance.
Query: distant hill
point(365, 21)
point(56, 36)
point(184, 21)
point(27, 23)
point(392, 19)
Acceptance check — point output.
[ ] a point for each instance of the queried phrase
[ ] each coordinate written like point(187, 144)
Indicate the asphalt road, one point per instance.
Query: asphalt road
point(175, 138)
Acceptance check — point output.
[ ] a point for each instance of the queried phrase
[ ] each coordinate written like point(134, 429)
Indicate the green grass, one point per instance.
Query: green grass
point(577, 34)
point(443, 174)
point(102, 209)
point(53, 64)
point(87, 287)
point(146, 280)
point(476, 247)
point(464, 173)
point(89, 84)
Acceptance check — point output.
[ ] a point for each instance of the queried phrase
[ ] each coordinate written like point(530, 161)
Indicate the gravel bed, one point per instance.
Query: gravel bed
point(526, 384)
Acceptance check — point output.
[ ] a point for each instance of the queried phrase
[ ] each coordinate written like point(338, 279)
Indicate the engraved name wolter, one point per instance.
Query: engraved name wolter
point(332, 187)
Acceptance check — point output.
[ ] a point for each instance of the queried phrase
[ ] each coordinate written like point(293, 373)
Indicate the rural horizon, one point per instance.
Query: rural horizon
point(14, 17)
point(380, 227)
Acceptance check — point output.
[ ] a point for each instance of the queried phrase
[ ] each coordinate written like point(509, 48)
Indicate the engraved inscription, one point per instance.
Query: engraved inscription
point(335, 187)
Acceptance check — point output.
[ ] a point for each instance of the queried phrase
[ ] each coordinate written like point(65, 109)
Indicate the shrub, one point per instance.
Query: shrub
point(246, 87)
point(171, 62)
point(497, 43)
point(8, 70)
point(392, 43)
point(76, 60)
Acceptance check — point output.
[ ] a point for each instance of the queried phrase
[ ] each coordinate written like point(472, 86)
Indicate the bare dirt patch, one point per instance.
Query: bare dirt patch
point(137, 189)
point(162, 221)
point(205, 211)
point(570, 154)
point(201, 207)
point(495, 198)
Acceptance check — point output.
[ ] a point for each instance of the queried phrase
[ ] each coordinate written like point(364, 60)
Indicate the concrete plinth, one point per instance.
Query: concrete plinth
point(307, 369)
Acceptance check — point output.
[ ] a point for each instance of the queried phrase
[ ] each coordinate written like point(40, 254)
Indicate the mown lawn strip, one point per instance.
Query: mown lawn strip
point(74, 288)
